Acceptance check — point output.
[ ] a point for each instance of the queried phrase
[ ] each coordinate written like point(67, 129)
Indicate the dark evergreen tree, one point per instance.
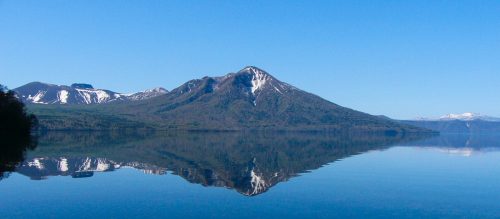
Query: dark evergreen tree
point(14, 120)
point(15, 131)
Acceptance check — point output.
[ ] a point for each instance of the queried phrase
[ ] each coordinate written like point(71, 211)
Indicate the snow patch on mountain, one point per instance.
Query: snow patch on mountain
point(63, 165)
point(86, 165)
point(37, 163)
point(257, 182)
point(259, 78)
point(94, 95)
point(102, 96)
point(102, 165)
point(38, 96)
point(147, 94)
point(63, 96)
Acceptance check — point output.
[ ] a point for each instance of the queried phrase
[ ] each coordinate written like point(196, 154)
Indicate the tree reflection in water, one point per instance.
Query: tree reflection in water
point(13, 150)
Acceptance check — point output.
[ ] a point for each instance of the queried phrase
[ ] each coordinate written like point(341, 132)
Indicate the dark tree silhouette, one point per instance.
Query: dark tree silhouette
point(13, 117)
point(15, 131)
point(13, 151)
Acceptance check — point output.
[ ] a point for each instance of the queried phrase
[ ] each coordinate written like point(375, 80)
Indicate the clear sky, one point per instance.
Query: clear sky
point(399, 58)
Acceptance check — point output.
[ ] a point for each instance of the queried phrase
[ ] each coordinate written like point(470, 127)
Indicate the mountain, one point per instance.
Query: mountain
point(459, 123)
point(42, 93)
point(147, 94)
point(468, 117)
point(248, 99)
point(462, 117)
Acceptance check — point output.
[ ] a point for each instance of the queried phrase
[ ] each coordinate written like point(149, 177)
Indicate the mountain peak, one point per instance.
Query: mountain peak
point(259, 77)
point(82, 86)
point(156, 89)
point(254, 71)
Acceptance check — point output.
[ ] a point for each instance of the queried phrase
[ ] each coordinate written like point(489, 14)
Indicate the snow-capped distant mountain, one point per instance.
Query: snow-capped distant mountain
point(458, 123)
point(468, 117)
point(461, 117)
point(150, 93)
point(42, 93)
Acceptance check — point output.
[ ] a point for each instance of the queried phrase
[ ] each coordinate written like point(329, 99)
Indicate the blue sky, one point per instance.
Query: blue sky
point(399, 58)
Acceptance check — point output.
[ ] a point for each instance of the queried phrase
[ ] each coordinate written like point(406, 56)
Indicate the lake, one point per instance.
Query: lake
point(254, 175)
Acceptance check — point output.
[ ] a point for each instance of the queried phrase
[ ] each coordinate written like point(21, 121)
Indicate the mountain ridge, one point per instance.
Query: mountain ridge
point(467, 116)
point(458, 123)
point(248, 99)
point(77, 93)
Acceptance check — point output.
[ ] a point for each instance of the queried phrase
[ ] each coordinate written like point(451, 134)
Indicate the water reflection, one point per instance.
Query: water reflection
point(250, 163)
point(13, 151)
point(460, 144)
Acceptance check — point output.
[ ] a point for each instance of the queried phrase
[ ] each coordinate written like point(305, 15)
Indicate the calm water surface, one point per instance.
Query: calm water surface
point(242, 175)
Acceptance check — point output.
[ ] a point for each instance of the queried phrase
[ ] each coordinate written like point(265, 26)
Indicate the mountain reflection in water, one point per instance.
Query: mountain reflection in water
point(250, 163)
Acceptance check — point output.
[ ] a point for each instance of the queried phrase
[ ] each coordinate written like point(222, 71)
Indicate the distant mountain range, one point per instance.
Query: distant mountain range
point(459, 123)
point(462, 117)
point(248, 99)
point(42, 93)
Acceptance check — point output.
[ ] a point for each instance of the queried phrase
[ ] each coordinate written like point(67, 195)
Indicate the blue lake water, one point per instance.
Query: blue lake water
point(237, 175)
